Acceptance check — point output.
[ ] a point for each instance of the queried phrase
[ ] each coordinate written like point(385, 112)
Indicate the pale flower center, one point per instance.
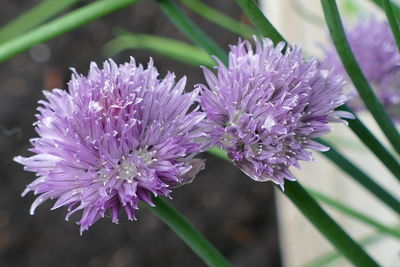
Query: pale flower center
point(129, 167)
point(127, 171)
point(227, 139)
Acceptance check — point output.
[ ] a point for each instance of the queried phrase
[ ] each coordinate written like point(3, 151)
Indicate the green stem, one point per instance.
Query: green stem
point(395, 6)
point(328, 227)
point(220, 19)
point(322, 221)
point(373, 144)
point(185, 25)
point(61, 25)
point(366, 93)
point(174, 49)
point(344, 208)
point(305, 14)
point(260, 21)
point(37, 15)
point(328, 258)
point(204, 249)
point(360, 177)
point(387, 6)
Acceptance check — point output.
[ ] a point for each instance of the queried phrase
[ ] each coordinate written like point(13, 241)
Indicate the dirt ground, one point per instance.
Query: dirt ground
point(235, 213)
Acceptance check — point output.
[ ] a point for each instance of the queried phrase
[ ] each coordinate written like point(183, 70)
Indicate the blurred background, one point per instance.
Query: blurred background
point(236, 214)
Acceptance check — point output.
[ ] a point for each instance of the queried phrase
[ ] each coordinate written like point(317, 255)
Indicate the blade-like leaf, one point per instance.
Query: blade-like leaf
point(387, 6)
point(195, 34)
point(330, 257)
point(177, 50)
point(218, 18)
point(359, 216)
point(360, 177)
point(59, 26)
point(203, 248)
point(395, 6)
point(260, 21)
point(373, 144)
point(318, 217)
point(37, 15)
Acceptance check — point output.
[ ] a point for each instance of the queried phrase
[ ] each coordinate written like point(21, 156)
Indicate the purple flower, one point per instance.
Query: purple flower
point(266, 107)
point(118, 136)
point(375, 49)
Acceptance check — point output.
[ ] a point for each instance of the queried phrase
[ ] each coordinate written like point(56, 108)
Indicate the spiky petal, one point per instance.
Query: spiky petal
point(266, 107)
point(119, 136)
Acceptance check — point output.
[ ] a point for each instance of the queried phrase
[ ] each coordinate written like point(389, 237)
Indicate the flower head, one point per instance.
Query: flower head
point(118, 136)
point(266, 107)
point(375, 49)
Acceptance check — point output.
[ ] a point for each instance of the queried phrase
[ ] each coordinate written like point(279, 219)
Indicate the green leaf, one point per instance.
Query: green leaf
point(318, 217)
point(359, 216)
point(360, 82)
point(360, 177)
point(373, 144)
point(387, 6)
point(260, 21)
point(326, 225)
point(59, 26)
point(305, 14)
point(220, 19)
point(395, 6)
point(37, 15)
point(195, 34)
point(188, 233)
point(177, 50)
point(332, 256)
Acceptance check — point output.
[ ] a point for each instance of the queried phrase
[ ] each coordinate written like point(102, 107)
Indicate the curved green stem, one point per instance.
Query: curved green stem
point(220, 19)
point(328, 258)
point(322, 221)
point(344, 208)
point(59, 26)
point(174, 49)
point(260, 21)
point(360, 177)
point(298, 6)
point(365, 91)
point(185, 25)
point(387, 6)
point(395, 6)
point(373, 144)
point(326, 225)
point(204, 249)
point(34, 17)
